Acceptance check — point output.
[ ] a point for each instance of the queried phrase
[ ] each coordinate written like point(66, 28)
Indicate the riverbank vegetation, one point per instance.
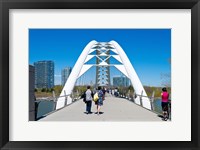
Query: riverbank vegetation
point(44, 92)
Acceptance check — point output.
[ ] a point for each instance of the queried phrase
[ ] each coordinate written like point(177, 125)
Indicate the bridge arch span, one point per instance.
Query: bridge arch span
point(126, 68)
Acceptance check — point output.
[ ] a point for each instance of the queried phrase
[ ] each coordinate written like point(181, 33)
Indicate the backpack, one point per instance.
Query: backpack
point(96, 97)
point(84, 97)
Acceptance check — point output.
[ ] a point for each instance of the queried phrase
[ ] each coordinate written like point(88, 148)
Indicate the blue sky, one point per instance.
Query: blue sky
point(148, 49)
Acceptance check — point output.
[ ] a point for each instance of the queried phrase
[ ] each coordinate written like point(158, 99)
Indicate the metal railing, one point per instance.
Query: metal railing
point(151, 98)
point(74, 96)
point(134, 96)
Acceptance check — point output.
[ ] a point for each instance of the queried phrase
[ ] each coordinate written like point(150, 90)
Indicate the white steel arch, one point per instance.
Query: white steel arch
point(130, 71)
point(69, 85)
point(126, 68)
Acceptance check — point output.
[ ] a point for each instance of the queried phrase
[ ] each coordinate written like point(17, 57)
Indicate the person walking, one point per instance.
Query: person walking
point(99, 102)
point(104, 92)
point(88, 100)
point(165, 101)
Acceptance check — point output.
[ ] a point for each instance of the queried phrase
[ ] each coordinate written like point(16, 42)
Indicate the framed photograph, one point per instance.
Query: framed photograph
point(99, 74)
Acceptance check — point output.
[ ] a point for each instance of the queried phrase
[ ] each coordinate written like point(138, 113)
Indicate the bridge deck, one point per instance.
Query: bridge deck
point(113, 109)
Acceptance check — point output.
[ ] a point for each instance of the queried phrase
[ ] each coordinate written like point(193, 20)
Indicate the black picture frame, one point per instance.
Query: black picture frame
point(5, 5)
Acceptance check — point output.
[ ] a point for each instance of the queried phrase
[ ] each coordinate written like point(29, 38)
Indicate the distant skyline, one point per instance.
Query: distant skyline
point(149, 50)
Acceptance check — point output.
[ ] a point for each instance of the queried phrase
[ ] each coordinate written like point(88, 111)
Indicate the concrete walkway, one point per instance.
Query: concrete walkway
point(113, 109)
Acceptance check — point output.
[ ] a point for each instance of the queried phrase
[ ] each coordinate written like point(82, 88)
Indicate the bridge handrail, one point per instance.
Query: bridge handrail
point(151, 98)
point(55, 99)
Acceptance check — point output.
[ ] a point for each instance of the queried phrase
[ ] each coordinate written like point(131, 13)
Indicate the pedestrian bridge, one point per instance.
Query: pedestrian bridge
point(113, 109)
point(102, 52)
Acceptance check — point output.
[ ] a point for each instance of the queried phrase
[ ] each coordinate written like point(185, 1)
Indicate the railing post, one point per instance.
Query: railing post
point(73, 96)
point(141, 99)
point(54, 100)
point(55, 103)
point(54, 95)
point(152, 100)
point(128, 94)
point(65, 98)
point(134, 96)
point(77, 94)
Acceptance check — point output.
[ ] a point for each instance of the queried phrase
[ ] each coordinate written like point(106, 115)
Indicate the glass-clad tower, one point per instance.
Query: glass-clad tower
point(65, 74)
point(44, 74)
point(121, 81)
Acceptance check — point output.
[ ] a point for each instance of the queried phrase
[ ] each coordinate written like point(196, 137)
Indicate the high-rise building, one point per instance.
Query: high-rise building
point(65, 74)
point(44, 74)
point(121, 81)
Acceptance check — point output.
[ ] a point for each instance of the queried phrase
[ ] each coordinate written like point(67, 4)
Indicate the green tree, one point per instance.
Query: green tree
point(58, 89)
point(43, 90)
point(51, 90)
